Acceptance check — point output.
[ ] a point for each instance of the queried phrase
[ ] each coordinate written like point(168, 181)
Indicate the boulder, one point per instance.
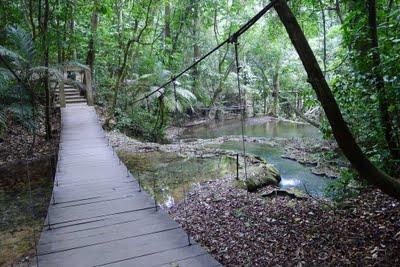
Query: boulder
point(260, 176)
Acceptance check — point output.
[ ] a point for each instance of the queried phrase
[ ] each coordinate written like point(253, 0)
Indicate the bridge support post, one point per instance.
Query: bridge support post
point(89, 91)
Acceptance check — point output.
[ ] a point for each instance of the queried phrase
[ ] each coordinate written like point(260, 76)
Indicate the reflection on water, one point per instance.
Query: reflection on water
point(168, 177)
point(254, 127)
point(293, 174)
point(288, 182)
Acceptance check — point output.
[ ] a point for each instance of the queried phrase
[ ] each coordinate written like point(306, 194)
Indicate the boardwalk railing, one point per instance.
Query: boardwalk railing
point(86, 80)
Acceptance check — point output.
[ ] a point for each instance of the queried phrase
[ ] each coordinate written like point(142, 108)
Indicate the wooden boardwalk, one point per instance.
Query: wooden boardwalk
point(99, 217)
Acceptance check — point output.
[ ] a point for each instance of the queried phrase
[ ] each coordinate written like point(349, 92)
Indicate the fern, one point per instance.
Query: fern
point(13, 57)
point(22, 42)
point(5, 76)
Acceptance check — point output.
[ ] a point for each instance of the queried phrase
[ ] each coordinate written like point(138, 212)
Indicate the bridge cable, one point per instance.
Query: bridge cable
point(179, 124)
point(242, 103)
point(234, 36)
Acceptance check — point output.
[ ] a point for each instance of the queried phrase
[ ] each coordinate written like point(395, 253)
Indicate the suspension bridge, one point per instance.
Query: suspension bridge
point(98, 215)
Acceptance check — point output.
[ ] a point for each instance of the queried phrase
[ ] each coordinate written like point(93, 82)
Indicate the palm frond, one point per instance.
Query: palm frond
point(145, 76)
point(22, 41)
point(11, 56)
point(5, 75)
point(185, 94)
point(75, 64)
point(41, 71)
point(170, 104)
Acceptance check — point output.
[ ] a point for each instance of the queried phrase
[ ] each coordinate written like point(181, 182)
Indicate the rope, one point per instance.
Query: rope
point(242, 105)
point(231, 39)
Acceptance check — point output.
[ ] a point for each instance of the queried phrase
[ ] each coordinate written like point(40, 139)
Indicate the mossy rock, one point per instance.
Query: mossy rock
point(260, 176)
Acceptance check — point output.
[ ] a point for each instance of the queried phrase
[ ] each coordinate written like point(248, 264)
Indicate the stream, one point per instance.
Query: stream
point(256, 127)
point(293, 174)
point(167, 176)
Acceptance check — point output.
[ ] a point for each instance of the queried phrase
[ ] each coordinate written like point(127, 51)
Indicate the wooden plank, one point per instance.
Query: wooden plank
point(99, 217)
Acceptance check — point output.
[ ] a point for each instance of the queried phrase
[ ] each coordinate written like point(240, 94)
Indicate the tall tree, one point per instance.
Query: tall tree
point(196, 46)
point(91, 54)
point(44, 22)
point(340, 129)
point(378, 82)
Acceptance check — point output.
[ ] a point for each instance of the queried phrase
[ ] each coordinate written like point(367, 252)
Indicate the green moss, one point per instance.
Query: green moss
point(253, 184)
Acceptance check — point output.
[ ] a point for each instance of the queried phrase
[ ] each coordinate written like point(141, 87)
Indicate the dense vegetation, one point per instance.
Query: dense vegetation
point(335, 65)
point(134, 46)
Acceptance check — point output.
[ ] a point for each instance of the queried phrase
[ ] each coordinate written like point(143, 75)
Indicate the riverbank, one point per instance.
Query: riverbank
point(252, 174)
point(319, 156)
point(299, 141)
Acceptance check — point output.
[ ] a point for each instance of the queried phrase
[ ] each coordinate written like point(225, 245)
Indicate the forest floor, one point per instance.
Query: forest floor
point(263, 229)
point(22, 216)
point(16, 142)
point(269, 227)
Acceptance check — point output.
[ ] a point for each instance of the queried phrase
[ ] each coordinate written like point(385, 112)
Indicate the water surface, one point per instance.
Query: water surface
point(262, 127)
point(168, 177)
point(293, 174)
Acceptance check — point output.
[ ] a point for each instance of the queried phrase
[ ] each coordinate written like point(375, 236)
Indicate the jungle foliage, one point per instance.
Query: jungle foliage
point(135, 46)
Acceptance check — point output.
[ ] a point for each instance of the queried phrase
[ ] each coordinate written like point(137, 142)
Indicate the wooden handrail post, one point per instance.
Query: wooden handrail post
point(89, 92)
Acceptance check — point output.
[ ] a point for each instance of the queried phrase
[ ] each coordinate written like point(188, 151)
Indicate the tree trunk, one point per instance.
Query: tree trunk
point(275, 93)
point(324, 33)
point(72, 33)
point(340, 129)
point(45, 48)
point(32, 23)
point(265, 103)
point(167, 18)
point(59, 45)
point(167, 33)
point(385, 117)
point(136, 38)
point(300, 114)
point(91, 46)
point(339, 12)
point(196, 47)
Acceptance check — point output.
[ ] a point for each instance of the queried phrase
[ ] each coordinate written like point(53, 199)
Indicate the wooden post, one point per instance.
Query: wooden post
point(89, 93)
point(237, 166)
